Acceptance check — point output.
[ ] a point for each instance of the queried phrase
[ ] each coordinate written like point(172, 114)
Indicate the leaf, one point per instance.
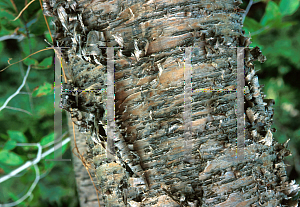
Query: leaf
point(10, 144)
point(43, 90)
point(17, 136)
point(288, 7)
point(31, 12)
point(272, 14)
point(45, 64)
point(13, 196)
point(48, 165)
point(38, 27)
point(47, 107)
point(4, 136)
point(10, 158)
point(251, 24)
point(6, 18)
point(6, 6)
point(26, 44)
point(30, 61)
point(47, 139)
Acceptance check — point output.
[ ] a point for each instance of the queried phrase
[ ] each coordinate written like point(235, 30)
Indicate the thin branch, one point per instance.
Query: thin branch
point(35, 161)
point(46, 21)
point(23, 10)
point(10, 64)
point(83, 162)
point(25, 93)
point(26, 84)
point(17, 109)
point(260, 30)
point(17, 92)
point(28, 164)
point(7, 37)
point(247, 9)
point(29, 192)
point(55, 141)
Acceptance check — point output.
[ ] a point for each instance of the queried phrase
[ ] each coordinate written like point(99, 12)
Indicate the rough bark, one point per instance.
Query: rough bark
point(85, 188)
point(149, 93)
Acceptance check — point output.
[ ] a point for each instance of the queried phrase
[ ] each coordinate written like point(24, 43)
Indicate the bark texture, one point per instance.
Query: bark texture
point(85, 189)
point(149, 93)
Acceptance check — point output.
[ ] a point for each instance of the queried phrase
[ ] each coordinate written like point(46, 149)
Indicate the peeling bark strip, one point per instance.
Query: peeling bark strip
point(187, 115)
point(240, 104)
point(110, 105)
point(57, 113)
point(149, 92)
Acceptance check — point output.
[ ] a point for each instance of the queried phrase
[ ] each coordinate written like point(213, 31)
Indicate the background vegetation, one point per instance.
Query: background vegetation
point(36, 122)
point(273, 26)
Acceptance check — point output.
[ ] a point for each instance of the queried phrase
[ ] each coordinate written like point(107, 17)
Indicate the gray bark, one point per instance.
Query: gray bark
point(149, 92)
point(85, 188)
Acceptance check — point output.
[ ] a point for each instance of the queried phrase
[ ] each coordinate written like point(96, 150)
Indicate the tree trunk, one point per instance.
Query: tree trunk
point(156, 162)
point(86, 191)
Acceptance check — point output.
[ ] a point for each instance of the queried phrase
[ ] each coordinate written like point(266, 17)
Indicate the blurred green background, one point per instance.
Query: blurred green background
point(272, 25)
point(34, 124)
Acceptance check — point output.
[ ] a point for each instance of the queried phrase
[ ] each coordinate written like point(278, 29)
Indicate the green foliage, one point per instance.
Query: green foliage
point(272, 18)
point(272, 15)
point(39, 27)
point(288, 7)
point(17, 136)
point(45, 64)
point(6, 22)
point(30, 61)
point(278, 35)
point(10, 144)
point(10, 158)
point(35, 123)
point(43, 90)
point(251, 25)
point(47, 139)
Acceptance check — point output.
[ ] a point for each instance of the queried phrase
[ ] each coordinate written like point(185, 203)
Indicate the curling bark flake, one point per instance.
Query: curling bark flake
point(149, 92)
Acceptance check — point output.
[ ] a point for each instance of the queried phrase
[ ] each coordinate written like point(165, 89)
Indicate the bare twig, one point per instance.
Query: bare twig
point(260, 30)
point(27, 87)
point(17, 92)
point(247, 10)
point(13, 36)
point(17, 109)
point(33, 163)
point(40, 156)
point(23, 10)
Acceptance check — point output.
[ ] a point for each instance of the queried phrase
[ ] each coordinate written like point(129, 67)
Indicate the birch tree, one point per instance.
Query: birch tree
point(177, 134)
